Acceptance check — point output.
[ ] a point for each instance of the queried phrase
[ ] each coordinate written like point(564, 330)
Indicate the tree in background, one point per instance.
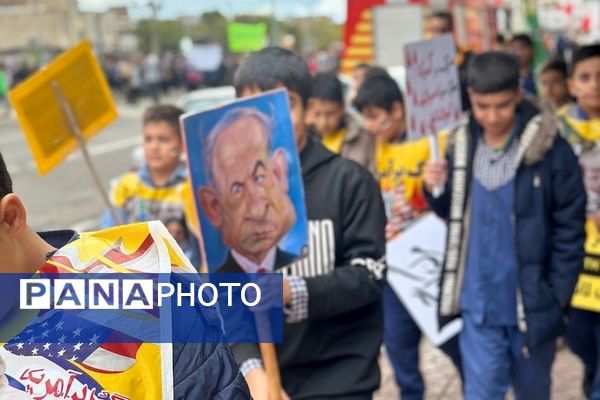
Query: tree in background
point(317, 33)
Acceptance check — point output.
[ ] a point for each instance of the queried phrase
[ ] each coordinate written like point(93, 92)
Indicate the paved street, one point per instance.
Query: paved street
point(442, 381)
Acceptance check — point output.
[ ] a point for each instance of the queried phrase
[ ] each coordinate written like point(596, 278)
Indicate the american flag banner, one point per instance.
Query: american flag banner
point(63, 355)
point(76, 339)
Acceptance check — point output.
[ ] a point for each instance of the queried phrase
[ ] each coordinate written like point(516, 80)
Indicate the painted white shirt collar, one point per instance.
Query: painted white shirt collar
point(250, 267)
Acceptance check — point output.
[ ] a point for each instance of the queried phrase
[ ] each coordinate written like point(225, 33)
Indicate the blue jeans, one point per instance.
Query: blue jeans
point(493, 360)
point(583, 338)
point(401, 338)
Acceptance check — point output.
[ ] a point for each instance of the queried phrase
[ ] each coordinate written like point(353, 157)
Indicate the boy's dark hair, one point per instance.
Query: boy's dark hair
point(380, 91)
point(376, 70)
point(273, 67)
point(163, 113)
point(557, 65)
point(493, 72)
point(523, 38)
point(5, 181)
point(444, 15)
point(327, 86)
point(584, 53)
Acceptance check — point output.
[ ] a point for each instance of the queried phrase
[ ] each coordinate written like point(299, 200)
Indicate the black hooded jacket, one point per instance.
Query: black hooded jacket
point(334, 352)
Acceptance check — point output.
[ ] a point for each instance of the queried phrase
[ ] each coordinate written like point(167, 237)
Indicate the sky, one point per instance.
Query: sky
point(335, 9)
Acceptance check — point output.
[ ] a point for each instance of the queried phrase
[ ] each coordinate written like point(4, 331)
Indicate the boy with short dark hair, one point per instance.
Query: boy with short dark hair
point(522, 46)
point(580, 124)
point(160, 189)
point(441, 23)
point(331, 348)
point(514, 202)
point(382, 108)
point(340, 132)
point(381, 104)
point(553, 84)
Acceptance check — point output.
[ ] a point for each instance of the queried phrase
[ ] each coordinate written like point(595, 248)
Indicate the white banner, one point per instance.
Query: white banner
point(415, 260)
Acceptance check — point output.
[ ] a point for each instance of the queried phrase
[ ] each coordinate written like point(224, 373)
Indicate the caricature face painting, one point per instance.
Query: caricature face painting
point(246, 197)
point(247, 182)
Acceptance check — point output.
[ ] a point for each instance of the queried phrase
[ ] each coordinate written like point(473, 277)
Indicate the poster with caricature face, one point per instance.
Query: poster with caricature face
point(247, 184)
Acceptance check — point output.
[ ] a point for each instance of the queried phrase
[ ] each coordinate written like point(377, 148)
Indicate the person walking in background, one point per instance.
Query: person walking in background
point(340, 131)
point(381, 105)
point(553, 85)
point(522, 47)
point(152, 76)
point(580, 123)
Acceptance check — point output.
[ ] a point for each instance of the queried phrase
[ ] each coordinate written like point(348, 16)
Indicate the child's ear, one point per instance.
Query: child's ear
point(519, 95)
point(397, 111)
point(13, 217)
point(571, 87)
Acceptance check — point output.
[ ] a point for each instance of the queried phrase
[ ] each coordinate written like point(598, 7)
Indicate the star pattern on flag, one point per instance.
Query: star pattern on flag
point(64, 335)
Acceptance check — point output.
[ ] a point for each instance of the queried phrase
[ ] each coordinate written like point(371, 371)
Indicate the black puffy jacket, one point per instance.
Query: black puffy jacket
point(203, 365)
point(206, 371)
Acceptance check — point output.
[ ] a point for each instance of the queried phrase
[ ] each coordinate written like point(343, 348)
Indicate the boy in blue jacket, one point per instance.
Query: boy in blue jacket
point(514, 201)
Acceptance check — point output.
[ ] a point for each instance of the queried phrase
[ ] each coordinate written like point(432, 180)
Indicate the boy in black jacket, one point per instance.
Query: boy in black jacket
point(333, 330)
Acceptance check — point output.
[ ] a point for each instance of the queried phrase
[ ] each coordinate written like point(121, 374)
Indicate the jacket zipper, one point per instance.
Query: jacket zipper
point(521, 320)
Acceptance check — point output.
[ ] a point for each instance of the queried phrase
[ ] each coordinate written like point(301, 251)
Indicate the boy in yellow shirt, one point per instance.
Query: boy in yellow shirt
point(399, 169)
point(160, 189)
point(580, 125)
point(339, 130)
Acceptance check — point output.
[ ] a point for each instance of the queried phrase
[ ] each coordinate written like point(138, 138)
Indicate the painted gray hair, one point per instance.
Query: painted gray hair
point(225, 122)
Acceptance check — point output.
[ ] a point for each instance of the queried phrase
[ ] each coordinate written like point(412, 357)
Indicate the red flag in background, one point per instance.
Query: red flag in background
point(358, 34)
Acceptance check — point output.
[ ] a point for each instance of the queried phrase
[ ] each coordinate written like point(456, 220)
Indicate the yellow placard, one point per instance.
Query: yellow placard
point(400, 169)
point(83, 84)
point(587, 291)
point(403, 164)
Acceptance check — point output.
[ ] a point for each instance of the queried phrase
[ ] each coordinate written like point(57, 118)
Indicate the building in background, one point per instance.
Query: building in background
point(55, 25)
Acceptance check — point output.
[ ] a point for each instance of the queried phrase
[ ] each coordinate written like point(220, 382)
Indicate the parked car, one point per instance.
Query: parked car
point(203, 99)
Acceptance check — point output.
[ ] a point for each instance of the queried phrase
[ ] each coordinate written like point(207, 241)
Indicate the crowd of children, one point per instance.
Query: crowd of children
point(518, 221)
point(520, 194)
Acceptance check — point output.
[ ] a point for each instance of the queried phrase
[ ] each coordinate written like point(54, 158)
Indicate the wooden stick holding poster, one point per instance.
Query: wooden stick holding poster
point(269, 358)
point(74, 127)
